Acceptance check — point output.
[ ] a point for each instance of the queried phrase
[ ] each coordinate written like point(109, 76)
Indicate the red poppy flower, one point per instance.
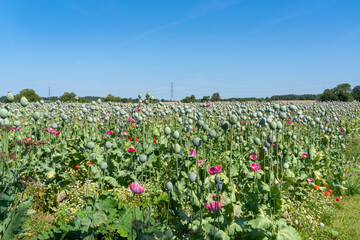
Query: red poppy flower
point(132, 125)
point(337, 199)
point(330, 191)
point(316, 187)
point(129, 138)
point(89, 163)
point(131, 150)
point(327, 193)
point(137, 139)
point(77, 167)
point(154, 140)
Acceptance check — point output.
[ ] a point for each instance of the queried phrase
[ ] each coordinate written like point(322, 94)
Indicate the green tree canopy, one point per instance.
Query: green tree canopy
point(356, 93)
point(30, 95)
point(215, 97)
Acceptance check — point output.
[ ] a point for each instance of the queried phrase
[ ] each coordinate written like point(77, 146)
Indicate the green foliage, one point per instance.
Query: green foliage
point(341, 92)
point(11, 225)
point(356, 93)
point(215, 97)
point(30, 95)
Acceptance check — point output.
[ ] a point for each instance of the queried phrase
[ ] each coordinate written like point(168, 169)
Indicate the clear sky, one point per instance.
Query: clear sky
point(249, 48)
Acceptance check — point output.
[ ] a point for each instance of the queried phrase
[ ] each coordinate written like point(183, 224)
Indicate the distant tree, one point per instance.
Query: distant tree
point(343, 91)
point(111, 98)
point(205, 99)
point(68, 97)
point(30, 95)
point(328, 95)
point(189, 99)
point(356, 93)
point(215, 97)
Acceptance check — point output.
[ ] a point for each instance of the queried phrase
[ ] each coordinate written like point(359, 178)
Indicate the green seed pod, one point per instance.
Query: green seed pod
point(142, 158)
point(263, 122)
point(283, 115)
point(24, 102)
point(267, 144)
point(257, 141)
point(205, 127)
point(176, 135)
point(4, 113)
point(17, 123)
point(46, 115)
point(90, 145)
point(294, 137)
point(217, 179)
point(219, 186)
point(279, 125)
point(167, 131)
point(169, 186)
point(89, 119)
point(212, 133)
point(36, 116)
point(108, 145)
point(54, 126)
point(103, 166)
point(192, 177)
point(197, 142)
point(273, 125)
point(283, 108)
point(233, 119)
point(225, 125)
point(286, 165)
point(10, 97)
point(177, 148)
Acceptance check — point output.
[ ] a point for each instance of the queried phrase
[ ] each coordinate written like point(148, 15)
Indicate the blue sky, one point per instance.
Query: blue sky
point(249, 48)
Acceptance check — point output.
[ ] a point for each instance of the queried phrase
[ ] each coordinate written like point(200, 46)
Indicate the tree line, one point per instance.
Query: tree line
point(342, 92)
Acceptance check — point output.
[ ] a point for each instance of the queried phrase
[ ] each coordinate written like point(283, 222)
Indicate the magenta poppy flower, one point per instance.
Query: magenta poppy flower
point(274, 145)
point(192, 153)
point(309, 180)
point(215, 170)
point(75, 139)
point(199, 163)
point(57, 133)
point(214, 206)
point(243, 122)
point(207, 105)
point(129, 119)
point(255, 167)
point(131, 150)
point(342, 130)
point(109, 132)
point(305, 155)
point(136, 188)
point(254, 157)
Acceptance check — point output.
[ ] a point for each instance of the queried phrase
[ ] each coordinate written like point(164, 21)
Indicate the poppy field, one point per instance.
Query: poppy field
point(240, 170)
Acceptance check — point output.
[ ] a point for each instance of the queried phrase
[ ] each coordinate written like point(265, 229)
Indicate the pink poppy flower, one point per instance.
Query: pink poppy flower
point(109, 132)
point(214, 206)
point(274, 145)
point(199, 163)
point(129, 119)
point(215, 170)
point(136, 188)
point(75, 139)
point(254, 157)
point(255, 167)
point(342, 130)
point(192, 153)
point(305, 155)
point(57, 133)
point(309, 180)
point(243, 122)
point(207, 105)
